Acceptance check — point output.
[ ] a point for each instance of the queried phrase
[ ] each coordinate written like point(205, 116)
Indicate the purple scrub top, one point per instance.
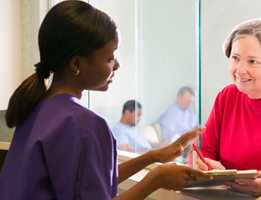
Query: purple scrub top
point(62, 151)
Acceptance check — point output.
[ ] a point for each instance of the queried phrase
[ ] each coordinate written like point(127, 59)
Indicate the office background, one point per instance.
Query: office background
point(158, 52)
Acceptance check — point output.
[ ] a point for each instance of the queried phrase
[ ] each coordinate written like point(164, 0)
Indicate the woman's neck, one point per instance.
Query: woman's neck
point(254, 96)
point(62, 87)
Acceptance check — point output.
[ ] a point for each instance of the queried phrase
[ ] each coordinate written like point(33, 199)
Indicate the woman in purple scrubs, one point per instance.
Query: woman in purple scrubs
point(60, 149)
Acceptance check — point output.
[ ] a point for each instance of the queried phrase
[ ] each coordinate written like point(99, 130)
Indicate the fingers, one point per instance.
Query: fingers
point(197, 174)
point(192, 134)
point(180, 150)
point(259, 174)
point(177, 177)
point(214, 164)
point(242, 188)
point(201, 165)
point(189, 136)
point(181, 147)
point(244, 182)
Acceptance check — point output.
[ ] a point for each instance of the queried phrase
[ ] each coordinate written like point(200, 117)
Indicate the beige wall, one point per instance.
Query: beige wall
point(10, 49)
point(20, 20)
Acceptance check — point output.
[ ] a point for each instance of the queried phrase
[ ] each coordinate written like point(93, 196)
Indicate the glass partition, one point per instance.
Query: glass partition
point(157, 55)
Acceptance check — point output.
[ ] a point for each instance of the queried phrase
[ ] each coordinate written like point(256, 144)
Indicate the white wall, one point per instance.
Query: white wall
point(20, 22)
point(32, 13)
point(218, 19)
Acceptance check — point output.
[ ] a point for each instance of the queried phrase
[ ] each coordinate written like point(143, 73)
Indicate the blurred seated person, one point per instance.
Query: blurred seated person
point(126, 132)
point(178, 119)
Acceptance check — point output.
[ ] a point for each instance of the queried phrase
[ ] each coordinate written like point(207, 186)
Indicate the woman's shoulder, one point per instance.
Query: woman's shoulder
point(230, 90)
point(67, 108)
point(66, 114)
point(229, 96)
point(68, 105)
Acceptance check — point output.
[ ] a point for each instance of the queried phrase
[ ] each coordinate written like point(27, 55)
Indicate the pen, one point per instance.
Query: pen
point(201, 156)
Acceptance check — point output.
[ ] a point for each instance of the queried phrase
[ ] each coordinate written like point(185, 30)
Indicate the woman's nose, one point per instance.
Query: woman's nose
point(116, 65)
point(241, 67)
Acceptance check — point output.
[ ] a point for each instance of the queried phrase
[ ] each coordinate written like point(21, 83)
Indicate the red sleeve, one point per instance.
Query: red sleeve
point(211, 136)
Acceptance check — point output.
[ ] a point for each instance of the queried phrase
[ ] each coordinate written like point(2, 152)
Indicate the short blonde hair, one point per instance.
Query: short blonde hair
point(250, 27)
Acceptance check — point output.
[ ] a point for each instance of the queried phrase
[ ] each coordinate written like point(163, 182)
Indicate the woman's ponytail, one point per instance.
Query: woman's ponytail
point(24, 99)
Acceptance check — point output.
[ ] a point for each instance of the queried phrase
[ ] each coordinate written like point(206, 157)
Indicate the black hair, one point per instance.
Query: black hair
point(69, 29)
point(131, 105)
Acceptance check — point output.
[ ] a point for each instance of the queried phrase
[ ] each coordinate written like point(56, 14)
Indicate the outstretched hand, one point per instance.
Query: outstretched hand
point(175, 149)
point(175, 177)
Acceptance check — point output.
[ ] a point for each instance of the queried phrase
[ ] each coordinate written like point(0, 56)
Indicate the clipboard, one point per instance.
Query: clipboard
point(222, 176)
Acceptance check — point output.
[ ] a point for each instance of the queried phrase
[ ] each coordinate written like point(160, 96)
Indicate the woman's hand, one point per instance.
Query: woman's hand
point(213, 163)
point(175, 149)
point(250, 186)
point(175, 177)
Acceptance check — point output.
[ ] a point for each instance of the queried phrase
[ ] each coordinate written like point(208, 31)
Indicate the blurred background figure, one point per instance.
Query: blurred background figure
point(178, 119)
point(126, 132)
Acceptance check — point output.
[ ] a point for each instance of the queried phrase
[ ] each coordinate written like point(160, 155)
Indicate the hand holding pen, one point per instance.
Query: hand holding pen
point(201, 157)
point(206, 163)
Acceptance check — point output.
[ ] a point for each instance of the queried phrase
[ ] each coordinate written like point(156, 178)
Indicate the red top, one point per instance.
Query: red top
point(233, 130)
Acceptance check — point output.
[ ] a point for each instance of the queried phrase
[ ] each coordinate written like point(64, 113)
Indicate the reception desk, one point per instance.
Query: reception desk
point(200, 193)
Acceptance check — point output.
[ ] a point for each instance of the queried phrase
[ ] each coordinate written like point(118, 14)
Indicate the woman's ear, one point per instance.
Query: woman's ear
point(75, 65)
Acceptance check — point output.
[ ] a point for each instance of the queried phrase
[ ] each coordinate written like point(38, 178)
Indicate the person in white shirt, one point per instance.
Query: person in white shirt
point(178, 118)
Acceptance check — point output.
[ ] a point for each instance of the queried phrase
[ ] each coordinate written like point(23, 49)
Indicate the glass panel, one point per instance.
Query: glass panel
point(124, 85)
point(157, 57)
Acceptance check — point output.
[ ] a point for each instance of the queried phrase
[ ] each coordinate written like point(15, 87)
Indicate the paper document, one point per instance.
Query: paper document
point(222, 176)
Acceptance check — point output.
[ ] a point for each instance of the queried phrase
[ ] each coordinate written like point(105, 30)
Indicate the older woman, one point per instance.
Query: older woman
point(232, 139)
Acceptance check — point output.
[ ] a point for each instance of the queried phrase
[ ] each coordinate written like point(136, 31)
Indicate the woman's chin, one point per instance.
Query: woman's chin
point(248, 91)
point(242, 87)
point(102, 88)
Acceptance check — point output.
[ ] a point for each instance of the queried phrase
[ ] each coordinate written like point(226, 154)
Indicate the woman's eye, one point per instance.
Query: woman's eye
point(234, 58)
point(253, 62)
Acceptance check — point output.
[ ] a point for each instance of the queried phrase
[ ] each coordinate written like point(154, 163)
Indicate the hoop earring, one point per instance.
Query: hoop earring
point(77, 72)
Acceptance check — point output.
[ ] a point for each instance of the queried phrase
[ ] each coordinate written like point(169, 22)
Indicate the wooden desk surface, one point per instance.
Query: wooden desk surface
point(4, 145)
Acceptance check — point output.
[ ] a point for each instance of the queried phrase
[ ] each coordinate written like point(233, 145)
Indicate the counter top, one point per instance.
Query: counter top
point(197, 193)
point(4, 145)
